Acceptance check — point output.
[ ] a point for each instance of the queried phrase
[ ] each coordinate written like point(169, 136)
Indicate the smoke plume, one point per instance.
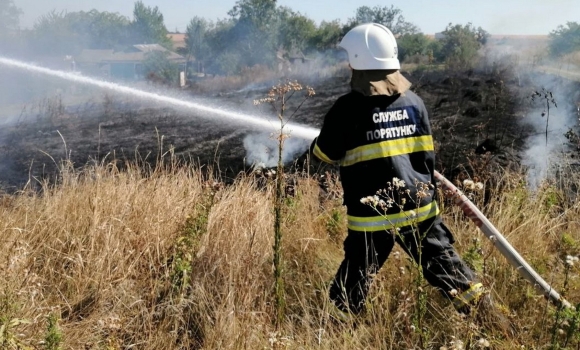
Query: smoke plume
point(262, 149)
point(534, 72)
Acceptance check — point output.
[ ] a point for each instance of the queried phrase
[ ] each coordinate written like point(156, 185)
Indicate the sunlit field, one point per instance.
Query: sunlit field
point(156, 190)
point(169, 258)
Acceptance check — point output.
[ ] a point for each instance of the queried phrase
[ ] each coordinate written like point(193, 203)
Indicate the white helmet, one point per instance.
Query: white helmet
point(371, 46)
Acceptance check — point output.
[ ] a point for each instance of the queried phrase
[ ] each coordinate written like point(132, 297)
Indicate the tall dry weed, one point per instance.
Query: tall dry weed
point(172, 259)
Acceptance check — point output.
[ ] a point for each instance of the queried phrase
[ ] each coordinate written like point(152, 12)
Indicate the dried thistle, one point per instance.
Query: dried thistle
point(546, 97)
point(278, 93)
point(278, 97)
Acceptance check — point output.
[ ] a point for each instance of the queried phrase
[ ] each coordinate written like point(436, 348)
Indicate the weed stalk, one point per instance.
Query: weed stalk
point(278, 280)
point(278, 97)
point(549, 99)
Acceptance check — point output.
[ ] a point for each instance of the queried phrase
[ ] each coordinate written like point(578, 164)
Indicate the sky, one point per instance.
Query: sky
point(526, 17)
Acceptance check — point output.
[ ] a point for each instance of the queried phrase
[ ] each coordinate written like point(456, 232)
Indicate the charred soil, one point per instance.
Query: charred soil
point(473, 116)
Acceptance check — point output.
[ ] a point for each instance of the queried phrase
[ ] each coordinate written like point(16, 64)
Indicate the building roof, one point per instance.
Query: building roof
point(146, 48)
point(178, 39)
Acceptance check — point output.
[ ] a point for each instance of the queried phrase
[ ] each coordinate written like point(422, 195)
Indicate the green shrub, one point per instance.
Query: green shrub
point(565, 39)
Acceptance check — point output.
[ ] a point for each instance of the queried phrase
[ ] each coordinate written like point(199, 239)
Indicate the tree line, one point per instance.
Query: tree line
point(255, 32)
point(68, 33)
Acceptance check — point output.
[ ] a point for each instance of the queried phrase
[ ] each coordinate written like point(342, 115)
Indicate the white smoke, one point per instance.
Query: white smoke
point(545, 151)
point(533, 71)
point(262, 149)
point(541, 157)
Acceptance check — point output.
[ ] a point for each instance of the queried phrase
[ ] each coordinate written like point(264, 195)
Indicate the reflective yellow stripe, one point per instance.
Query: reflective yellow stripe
point(469, 296)
point(388, 149)
point(323, 157)
point(390, 221)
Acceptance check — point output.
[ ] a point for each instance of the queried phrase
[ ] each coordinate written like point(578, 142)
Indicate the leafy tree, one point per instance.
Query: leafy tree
point(69, 33)
point(221, 49)
point(100, 30)
point(412, 44)
point(565, 39)
point(434, 49)
point(148, 26)
point(327, 35)
point(10, 39)
point(254, 32)
point(461, 43)
point(257, 29)
point(248, 37)
point(228, 62)
point(295, 30)
point(157, 67)
point(52, 34)
point(390, 17)
point(65, 33)
point(9, 16)
point(257, 14)
point(219, 36)
point(196, 40)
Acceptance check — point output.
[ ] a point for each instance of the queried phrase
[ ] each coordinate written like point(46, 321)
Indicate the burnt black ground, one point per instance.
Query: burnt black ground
point(471, 112)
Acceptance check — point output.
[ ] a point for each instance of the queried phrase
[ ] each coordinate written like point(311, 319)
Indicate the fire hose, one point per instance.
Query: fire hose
point(499, 241)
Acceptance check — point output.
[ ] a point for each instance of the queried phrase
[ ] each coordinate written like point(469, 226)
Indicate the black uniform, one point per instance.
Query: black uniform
point(379, 141)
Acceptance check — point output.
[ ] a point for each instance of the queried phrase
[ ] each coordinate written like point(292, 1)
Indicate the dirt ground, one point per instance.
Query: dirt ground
point(472, 113)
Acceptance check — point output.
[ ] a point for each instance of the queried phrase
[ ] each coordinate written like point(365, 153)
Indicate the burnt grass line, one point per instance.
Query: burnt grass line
point(473, 115)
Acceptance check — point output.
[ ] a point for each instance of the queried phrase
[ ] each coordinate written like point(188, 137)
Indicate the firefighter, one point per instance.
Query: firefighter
point(380, 136)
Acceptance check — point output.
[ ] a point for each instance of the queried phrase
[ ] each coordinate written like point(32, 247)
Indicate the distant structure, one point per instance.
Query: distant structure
point(127, 64)
point(178, 40)
point(289, 61)
point(439, 36)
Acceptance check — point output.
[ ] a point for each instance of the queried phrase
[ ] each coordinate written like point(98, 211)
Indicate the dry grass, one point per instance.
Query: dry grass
point(572, 59)
point(248, 75)
point(262, 75)
point(170, 259)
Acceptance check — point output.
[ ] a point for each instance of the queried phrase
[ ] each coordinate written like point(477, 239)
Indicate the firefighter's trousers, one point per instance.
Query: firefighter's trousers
point(365, 253)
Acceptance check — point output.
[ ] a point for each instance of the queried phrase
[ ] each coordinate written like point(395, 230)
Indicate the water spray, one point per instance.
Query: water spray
point(207, 111)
